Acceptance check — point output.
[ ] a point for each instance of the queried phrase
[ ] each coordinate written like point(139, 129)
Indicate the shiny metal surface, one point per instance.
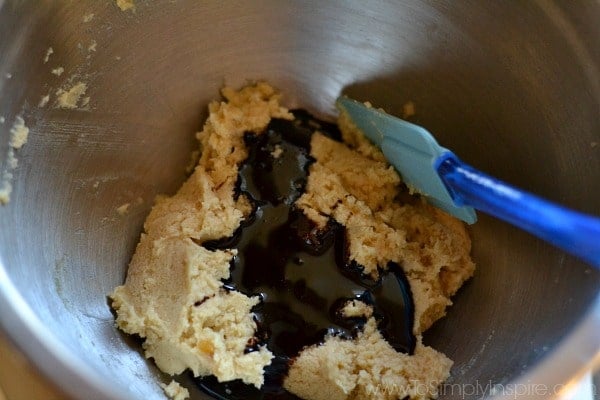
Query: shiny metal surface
point(512, 87)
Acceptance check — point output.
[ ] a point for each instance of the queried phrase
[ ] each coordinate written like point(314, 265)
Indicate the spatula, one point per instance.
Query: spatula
point(450, 184)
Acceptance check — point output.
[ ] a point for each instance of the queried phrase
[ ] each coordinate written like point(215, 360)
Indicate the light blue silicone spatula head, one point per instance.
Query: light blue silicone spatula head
point(411, 149)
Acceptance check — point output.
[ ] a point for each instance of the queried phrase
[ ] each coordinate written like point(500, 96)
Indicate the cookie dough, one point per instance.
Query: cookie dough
point(19, 133)
point(69, 98)
point(175, 298)
point(125, 5)
point(175, 391)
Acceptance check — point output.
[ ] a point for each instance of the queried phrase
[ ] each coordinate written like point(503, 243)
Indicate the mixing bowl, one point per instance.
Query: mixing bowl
point(512, 87)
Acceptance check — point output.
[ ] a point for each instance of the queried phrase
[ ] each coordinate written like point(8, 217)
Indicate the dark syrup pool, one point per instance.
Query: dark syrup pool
point(302, 273)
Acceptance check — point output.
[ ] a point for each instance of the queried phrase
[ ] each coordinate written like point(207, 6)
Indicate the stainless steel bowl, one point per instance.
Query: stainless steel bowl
point(513, 87)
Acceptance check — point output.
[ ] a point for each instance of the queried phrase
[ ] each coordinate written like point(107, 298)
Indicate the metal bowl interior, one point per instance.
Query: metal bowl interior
point(513, 88)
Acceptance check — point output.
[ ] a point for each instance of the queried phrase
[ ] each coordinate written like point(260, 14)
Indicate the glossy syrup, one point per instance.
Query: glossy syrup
point(301, 273)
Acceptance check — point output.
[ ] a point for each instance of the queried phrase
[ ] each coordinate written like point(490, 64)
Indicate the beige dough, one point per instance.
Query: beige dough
point(174, 299)
point(126, 5)
point(69, 98)
point(173, 296)
point(19, 133)
point(175, 391)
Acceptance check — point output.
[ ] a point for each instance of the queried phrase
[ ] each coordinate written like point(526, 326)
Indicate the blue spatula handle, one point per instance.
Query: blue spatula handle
point(574, 232)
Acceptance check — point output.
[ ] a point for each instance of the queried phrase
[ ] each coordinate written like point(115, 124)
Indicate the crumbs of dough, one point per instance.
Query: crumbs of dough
point(49, 52)
point(19, 134)
point(173, 296)
point(194, 157)
point(175, 391)
point(408, 109)
point(6, 178)
point(58, 71)
point(123, 209)
point(44, 100)
point(356, 308)
point(126, 5)
point(88, 17)
point(5, 188)
point(69, 98)
point(277, 152)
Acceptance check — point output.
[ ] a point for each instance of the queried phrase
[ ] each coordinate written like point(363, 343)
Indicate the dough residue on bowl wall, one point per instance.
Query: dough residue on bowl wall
point(174, 295)
point(126, 5)
point(19, 133)
point(175, 391)
point(69, 98)
point(88, 17)
point(49, 52)
point(43, 101)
